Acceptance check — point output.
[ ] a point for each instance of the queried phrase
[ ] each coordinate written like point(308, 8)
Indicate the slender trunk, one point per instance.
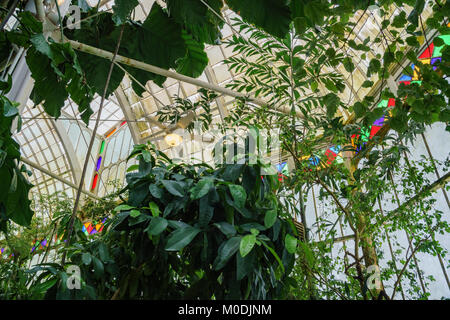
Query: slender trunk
point(367, 245)
point(365, 238)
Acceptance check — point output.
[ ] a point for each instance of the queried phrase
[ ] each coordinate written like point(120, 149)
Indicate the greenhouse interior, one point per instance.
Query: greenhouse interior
point(224, 150)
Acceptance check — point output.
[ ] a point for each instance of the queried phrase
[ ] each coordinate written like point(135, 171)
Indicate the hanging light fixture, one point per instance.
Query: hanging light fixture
point(173, 139)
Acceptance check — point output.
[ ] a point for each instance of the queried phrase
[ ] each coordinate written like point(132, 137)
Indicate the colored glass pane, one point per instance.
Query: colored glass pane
point(383, 104)
point(335, 149)
point(111, 133)
point(314, 161)
point(102, 148)
point(435, 62)
point(438, 50)
point(416, 73)
point(280, 166)
point(428, 52)
point(99, 163)
point(94, 183)
point(405, 77)
point(374, 130)
point(379, 122)
point(391, 102)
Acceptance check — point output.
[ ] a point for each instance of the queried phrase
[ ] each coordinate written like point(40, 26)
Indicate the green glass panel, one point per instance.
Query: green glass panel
point(437, 52)
point(383, 104)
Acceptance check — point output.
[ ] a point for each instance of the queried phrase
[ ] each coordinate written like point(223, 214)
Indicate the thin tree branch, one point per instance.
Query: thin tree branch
point(438, 184)
point(91, 143)
point(406, 264)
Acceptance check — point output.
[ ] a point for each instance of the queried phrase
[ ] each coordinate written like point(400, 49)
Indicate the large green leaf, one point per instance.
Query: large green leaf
point(227, 229)
point(154, 209)
point(245, 265)
point(273, 16)
point(156, 191)
point(195, 60)
point(239, 195)
point(17, 203)
point(100, 32)
point(415, 13)
point(57, 74)
point(99, 268)
point(122, 10)
point(86, 258)
point(28, 20)
point(195, 16)
point(157, 42)
point(315, 11)
point(226, 251)
point(247, 244)
point(156, 226)
point(48, 88)
point(201, 188)
point(206, 212)
point(96, 73)
point(181, 237)
point(174, 187)
point(270, 218)
point(291, 243)
point(14, 189)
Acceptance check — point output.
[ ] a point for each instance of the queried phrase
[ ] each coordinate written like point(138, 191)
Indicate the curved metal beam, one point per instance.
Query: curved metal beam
point(69, 149)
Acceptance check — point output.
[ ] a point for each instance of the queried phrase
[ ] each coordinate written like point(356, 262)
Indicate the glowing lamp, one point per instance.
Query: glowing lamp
point(173, 139)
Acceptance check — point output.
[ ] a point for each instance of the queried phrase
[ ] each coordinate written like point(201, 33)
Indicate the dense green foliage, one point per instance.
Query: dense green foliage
point(311, 120)
point(192, 232)
point(14, 203)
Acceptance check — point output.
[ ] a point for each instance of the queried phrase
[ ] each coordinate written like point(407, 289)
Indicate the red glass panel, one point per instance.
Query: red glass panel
point(94, 183)
point(428, 52)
